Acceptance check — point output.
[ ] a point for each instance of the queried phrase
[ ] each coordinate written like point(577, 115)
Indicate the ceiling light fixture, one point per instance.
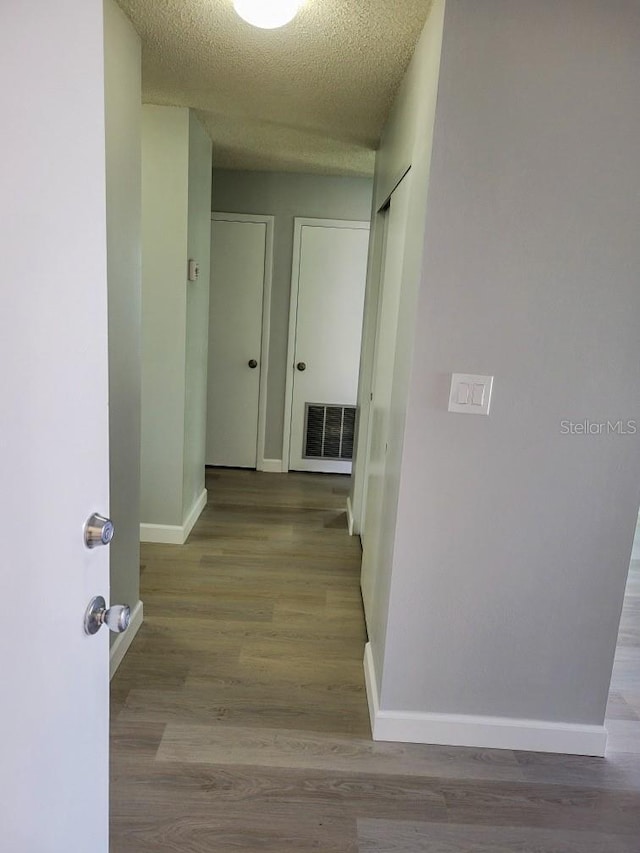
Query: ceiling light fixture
point(267, 14)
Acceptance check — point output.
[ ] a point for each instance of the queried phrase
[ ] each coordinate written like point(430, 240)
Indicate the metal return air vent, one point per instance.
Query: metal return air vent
point(329, 431)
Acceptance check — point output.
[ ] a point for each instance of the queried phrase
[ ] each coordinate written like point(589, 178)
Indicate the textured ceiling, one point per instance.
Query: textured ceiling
point(310, 97)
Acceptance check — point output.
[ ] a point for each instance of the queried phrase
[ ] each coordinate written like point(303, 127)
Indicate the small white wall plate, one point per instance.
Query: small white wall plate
point(470, 394)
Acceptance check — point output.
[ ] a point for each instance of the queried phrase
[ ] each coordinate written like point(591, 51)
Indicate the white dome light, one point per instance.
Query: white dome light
point(267, 14)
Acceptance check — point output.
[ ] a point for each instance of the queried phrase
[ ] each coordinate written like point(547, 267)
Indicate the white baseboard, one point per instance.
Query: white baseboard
point(483, 732)
point(371, 688)
point(163, 534)
point(174, 534)
point(194, 515)
point(271, 466)
point(350, 519)
point(120, 645)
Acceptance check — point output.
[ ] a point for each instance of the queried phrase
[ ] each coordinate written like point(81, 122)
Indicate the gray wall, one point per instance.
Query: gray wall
point(122, 114)
point(513, 540)
point(286, 196)
point(197, 319)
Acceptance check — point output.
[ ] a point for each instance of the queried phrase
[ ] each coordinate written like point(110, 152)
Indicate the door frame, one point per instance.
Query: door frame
point(262, 464)
point(299, 223)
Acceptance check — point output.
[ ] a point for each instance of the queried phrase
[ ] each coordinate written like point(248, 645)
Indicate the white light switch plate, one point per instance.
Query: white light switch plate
point(470, 394)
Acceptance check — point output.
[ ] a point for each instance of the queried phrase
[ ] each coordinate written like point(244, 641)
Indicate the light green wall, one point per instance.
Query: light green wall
point(197, 319)
point(285, 196)
point(123, 174)
point(176, 181)
point(165, 170)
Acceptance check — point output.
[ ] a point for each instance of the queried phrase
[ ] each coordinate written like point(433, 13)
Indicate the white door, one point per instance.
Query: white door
point(372, 533)
point(238, 338)
point(328, 285)
point(54, 453)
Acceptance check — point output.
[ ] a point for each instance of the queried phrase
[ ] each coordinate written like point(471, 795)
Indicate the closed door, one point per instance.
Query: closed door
point(54, 453)
point(237, 350)
point(373, 534)
point(328, 285)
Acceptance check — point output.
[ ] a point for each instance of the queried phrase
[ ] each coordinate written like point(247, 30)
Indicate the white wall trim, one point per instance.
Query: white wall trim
point(483, 732)
point(299, 223)
point(291, 342)
point(266, 336)
point(196, 511)
point(162, 534)
point(371, 687)
point(121, 644)
point(271, 466)
point(350, 519)
point(174, 534)
point(269, 222)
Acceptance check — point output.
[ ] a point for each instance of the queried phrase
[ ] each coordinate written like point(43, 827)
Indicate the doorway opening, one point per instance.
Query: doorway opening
point(623, 710)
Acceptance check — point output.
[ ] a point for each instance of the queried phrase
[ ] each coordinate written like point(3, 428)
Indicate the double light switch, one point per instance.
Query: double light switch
point(470, 394)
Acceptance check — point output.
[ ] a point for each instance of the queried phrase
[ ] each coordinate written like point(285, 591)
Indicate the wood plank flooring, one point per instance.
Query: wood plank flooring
point(239, 719)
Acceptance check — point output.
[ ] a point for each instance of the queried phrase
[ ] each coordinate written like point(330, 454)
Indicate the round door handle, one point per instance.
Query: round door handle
point(116, 618)
point(253, 364)
point(301, 366)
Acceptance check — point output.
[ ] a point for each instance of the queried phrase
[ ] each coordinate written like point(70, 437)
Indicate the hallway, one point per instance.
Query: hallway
point(239, 719)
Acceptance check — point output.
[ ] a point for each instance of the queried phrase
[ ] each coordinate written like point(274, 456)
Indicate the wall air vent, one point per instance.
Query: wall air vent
point(329, 431)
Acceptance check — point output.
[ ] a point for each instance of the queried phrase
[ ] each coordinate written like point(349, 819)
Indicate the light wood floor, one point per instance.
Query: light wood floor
point(239, 720)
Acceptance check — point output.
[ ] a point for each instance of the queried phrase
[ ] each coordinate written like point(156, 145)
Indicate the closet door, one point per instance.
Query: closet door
point(237, 350)
point(328, 285)
point(374, 533)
